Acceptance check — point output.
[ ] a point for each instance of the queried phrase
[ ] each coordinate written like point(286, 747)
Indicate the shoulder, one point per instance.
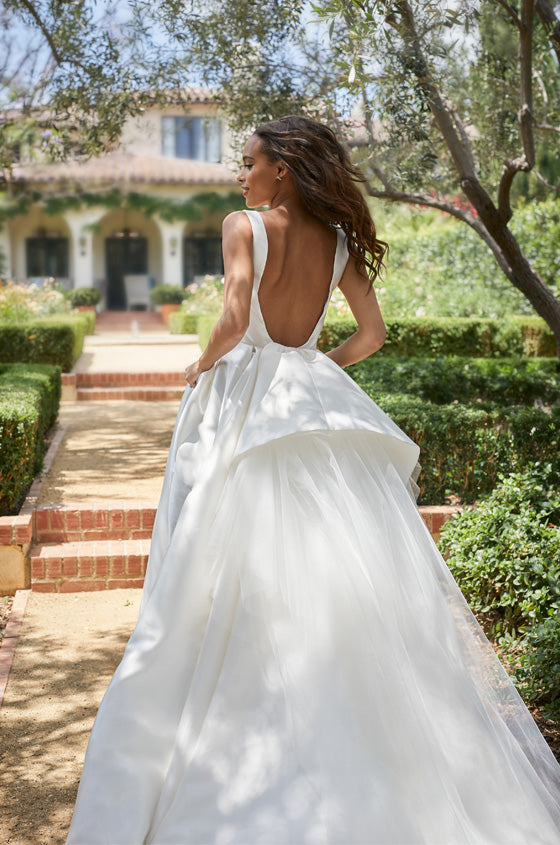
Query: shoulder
point(237, 224)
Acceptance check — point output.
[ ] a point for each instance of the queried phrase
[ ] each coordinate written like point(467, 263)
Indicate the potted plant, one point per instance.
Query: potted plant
point(168, 297)
point(84, 299)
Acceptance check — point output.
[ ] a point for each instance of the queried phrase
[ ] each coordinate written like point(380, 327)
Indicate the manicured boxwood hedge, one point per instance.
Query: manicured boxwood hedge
point(205, 324)
point(430, 337)
point(507, 381)
point(50, 340)
point(29, 400)
point(465, 447)
point(182, 323)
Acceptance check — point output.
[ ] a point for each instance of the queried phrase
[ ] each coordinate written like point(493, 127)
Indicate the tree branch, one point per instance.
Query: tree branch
point(43, 27)
point(511, 12)
point(545, 182)
point(525, 162)
point(551, 24)
point(428, 201)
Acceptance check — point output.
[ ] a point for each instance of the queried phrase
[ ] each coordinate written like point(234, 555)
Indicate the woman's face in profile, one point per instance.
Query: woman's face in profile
point(258, 175)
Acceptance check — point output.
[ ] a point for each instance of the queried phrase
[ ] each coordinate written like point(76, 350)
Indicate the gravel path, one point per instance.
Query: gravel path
point(111, 450)
point(69, 647)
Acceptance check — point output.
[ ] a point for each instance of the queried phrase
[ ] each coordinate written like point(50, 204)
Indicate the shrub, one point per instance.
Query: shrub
point(28, 302)
point(206, 298)
point(505, 554)
point(181, 322)
point(51, 340)
point(30, 397)
point(205, 324)
point(536, 670)
point(436, 336)
point(438, 267)
point(463, 448)
point(88, 318)
point(167, 294)
point(444, 380)
point(84, 296)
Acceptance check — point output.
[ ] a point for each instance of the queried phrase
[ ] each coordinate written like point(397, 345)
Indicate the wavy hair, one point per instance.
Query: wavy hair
point(325, 180)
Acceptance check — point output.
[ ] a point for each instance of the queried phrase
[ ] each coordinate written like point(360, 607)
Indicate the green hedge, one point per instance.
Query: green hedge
point(182, 323)
point(464, 448)
point(89, 319)
point(435, 336)
point(50, 340)
point(29, 400)
point(508, 381)
point(205, 324)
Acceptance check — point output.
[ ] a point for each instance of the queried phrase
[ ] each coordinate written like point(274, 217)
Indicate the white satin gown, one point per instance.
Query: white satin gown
point(304, 668)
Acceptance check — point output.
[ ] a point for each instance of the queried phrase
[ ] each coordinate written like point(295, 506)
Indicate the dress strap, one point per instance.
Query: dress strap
point(260, 245)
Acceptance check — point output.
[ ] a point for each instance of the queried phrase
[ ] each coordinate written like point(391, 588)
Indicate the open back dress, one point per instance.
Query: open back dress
point(304, 668)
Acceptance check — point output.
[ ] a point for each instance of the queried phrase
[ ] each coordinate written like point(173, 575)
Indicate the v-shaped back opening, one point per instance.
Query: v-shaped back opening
point(261, 253)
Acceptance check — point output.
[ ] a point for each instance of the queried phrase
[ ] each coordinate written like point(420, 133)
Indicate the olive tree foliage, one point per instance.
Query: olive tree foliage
point(453, 100)
point(411, 63)
point(69, 76)
point(448, 99)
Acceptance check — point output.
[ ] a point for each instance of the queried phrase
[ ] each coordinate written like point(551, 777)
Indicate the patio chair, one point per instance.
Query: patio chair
point(137, 290)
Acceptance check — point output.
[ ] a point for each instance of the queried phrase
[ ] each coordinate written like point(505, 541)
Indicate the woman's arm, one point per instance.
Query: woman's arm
point(237, 246)
point(370, 335)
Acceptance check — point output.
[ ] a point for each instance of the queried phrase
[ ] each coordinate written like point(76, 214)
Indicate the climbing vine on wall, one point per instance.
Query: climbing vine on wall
point(190, 210)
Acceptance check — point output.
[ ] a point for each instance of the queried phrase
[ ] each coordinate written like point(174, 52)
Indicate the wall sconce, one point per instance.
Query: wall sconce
point(173, 243)
point(82, 243)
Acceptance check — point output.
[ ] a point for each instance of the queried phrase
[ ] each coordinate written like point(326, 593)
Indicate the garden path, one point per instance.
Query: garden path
point(69, 644)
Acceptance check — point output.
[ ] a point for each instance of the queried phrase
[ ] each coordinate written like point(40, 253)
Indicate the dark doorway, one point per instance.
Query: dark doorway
point(202, 256)
point(127, 255)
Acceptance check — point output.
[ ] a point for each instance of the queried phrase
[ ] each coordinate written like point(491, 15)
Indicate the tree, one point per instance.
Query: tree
point(445, 108)
point(453, 99)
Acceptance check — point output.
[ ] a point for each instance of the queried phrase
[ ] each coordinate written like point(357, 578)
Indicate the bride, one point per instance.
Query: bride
point(304, 668)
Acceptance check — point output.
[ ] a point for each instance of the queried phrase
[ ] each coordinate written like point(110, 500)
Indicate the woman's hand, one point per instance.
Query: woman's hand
point(192, 373)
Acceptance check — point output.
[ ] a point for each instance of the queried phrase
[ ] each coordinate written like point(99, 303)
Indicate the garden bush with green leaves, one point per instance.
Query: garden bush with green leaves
point(29, 401)
point(55, 340)
point(439, 267)
point(20, 302)
point(505, 556)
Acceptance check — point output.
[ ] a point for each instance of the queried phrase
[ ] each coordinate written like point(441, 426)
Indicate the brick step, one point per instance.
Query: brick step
point(142, 394)
point(124, 379)
point(94, 521)
point(87, 566)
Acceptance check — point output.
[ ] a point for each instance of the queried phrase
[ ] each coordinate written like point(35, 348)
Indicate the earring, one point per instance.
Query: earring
point(278, 178)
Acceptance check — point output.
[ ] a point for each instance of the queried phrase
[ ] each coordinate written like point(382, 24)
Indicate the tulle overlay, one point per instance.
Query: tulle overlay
point(304, 668)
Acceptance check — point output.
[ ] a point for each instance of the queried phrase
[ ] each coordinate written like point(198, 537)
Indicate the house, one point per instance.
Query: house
point(150, 208)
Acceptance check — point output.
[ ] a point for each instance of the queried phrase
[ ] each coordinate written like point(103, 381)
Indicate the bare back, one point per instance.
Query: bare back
point(297, 275)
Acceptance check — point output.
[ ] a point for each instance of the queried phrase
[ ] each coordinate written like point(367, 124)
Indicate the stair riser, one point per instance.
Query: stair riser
point(93, 566)
point(128, 379)
point(59, 525)
point(101, 534)
point(132, 394)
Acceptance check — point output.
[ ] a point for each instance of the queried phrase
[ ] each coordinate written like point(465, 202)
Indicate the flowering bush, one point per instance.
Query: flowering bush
point(338, 307)
point(207, 298)
point(24, 302)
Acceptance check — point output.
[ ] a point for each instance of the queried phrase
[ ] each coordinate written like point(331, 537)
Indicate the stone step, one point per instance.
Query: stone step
point(142, 394)
point(153, 386)
point(125, 379)
point(127, 520)
point(89, 565)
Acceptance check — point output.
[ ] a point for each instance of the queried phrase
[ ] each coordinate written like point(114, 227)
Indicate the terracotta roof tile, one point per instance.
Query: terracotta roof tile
point(118, 168)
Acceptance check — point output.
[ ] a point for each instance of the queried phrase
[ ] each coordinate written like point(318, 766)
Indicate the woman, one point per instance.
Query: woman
point(304, 668)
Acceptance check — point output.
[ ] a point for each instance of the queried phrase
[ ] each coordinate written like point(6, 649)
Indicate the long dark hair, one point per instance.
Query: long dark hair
point(325, 180)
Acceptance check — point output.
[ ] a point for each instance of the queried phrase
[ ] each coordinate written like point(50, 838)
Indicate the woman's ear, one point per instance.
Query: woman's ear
point(281, 170)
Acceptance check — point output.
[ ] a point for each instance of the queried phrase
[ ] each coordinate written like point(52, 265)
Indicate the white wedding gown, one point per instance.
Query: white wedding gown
point(304, 669)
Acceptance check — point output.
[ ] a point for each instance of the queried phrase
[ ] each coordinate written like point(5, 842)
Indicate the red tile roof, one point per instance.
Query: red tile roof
point(118, 168)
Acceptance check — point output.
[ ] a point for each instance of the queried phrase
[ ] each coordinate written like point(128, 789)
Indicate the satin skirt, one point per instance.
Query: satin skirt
point(305, 670)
